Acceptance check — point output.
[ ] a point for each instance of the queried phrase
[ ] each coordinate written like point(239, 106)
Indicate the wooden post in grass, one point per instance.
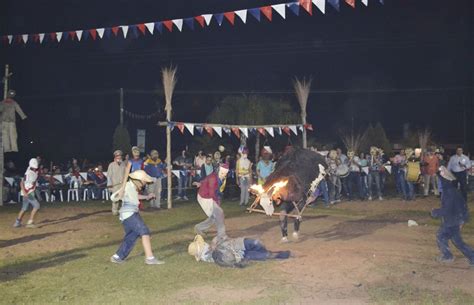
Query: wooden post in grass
point(5, 95)
point(169, 82)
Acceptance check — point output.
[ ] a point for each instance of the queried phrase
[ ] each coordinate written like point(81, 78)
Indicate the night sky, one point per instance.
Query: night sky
point(408, 61)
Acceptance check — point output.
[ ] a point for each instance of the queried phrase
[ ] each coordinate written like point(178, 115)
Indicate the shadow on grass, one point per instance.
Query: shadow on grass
point(50, 222)
point(25, 239)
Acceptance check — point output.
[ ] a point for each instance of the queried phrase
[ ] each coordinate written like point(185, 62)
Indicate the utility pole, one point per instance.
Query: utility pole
point(5, 95)
point(121, 106)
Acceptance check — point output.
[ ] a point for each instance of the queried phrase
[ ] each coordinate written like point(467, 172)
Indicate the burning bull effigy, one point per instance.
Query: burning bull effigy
point(296, 176)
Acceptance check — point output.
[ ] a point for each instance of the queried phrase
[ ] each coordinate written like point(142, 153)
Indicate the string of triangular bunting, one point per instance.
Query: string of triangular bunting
point(237, 130)
point(203, 20)
point(140, 116)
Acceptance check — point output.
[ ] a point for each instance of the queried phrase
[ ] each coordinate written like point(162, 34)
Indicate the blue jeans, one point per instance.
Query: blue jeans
point(374, 176)
point(454, 234)
point(134, 228)
point(410, 190)
point(256, 251)
point(354, 179)
point(323, 189)
point(461, 178)
point(182, 183)
point(363, 183)
point(403, 184)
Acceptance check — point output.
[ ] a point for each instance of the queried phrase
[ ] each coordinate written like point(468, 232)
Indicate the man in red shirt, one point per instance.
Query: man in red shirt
point(431, 165)
point(210, 190)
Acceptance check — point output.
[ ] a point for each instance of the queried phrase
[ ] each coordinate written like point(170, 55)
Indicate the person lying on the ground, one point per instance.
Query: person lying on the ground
point(454, 214)
point(232, 252)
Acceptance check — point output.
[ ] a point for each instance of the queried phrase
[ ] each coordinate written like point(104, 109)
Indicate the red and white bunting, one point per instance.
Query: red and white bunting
point(41, 37)
point(218, 130)
point(207, 18)
point(178, 23)
point(280, 9)
point(59, 36)
point(365, 2)
point(100, 32)
point(190, 128)
point(245, 131)
point(169, 25)
point(209, 130)
point(176, 173)
point(150, 26)
point(294, 129)
point(124, 30)
point(236, 131)
point(79, 35)
point(270, 131)
point(200, 20)
point(286, 130)
point(242, 15)
point(230, 16)
point(307, 5)
point(261, 131)
point(301, 128)
point(267, 11)
point(24, 37)
point(180, 127)
point(321, 5)
point(10, 39)
point(351, 3)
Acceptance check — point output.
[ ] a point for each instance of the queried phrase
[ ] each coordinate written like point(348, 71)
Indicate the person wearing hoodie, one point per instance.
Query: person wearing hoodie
point(454, 214)
point(28, 187)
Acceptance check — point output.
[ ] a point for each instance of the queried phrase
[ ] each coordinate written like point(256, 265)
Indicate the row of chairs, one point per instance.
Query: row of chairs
point(72, 195)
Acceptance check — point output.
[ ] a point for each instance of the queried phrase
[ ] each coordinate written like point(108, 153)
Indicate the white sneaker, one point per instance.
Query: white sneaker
point(284, 239)
point(295, 235)
point(380, 198)
point(153, 261)
point(370, 198)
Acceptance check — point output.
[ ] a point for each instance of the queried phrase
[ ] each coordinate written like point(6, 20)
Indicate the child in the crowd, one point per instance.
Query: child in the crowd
point(132, 222)
point(28, 187)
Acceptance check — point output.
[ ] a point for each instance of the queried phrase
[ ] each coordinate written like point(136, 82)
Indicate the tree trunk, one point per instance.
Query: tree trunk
point(257, 147)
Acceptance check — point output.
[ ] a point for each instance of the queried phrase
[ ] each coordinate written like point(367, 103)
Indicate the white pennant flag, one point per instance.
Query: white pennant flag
point(366, 2)
point(178, 23)
point(279, 130)
point(366, 170)
point(242, 14)
point(59, 178)
point(105, 174)
point(41, 37)
point(293, 128)
point(300, 127)
point(270, 131)
point(388, 168)
point(150, 26)
point(176, 173)
point(24, 37)
point(79, 34)
point(59, 35)
point(280, 9)
point(83, 175)
point(10, 39)
point(190, 128)
point(207, 17)
point(245, 131)
point(218, 130)
point(10, 180)
point(124, 30)
point(100, 32)
point(321, 5)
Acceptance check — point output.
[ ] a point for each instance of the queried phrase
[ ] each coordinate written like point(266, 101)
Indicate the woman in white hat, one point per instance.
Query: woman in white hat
point(132, 222)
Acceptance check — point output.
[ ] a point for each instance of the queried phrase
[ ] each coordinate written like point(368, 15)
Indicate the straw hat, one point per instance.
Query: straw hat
point(197, 247)
point(135, 148)
point(141, 175)
point(154, 153)
point(118, 152)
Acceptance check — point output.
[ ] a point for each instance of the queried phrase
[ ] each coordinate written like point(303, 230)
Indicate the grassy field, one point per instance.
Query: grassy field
point(66, 259)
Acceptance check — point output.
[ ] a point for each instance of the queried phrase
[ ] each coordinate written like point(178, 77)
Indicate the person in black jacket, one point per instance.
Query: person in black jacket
point(454, 214)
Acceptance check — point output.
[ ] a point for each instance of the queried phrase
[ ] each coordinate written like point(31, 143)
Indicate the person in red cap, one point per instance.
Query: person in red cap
point(209, 193)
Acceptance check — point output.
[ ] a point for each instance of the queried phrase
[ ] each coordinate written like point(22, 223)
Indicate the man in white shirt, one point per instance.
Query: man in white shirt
point(459, 164)
point(115, 177)
point(28, 187)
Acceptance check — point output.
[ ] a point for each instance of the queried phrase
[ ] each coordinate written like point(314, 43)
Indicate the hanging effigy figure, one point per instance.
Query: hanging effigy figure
point(300, 170)
point(9, 107)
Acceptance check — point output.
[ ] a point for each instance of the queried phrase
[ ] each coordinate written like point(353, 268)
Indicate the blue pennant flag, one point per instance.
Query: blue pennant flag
point(335, 4)
point(200, 129)
point(219, 18)
point(107, 32)
point(227, 131)
point(190, 23)
point(255, 12)
point(134, 30)
point(159, 27)
point(253, 131)
point(171, 125)
point(85, 35)
point(295, 8)
point(382, 1)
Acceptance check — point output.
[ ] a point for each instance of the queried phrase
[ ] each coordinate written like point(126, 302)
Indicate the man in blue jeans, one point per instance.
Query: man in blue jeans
point(454, 214)
point(183, 163)
point(232, 252)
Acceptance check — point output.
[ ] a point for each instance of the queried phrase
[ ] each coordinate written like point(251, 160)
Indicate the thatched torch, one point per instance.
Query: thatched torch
point(169, 82)
point(302, 89)
point(424, 137)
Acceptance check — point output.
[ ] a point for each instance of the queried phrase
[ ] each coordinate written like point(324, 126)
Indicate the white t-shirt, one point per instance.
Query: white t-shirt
point(29, 181)
point(355, 164)
point(130, 198)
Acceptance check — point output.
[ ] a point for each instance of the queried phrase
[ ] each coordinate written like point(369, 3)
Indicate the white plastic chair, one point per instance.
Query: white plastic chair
point(105, 194)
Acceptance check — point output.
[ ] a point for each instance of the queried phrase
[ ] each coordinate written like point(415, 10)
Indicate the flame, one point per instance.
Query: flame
point(257, 188)
point(274, 187)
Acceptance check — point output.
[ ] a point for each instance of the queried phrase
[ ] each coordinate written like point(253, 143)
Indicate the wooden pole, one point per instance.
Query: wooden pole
point(168, 158)
point(121, 106)
point(5, 95)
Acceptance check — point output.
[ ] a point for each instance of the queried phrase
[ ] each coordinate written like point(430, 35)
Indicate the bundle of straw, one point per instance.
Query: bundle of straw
point(302, 89)
point(169, 82)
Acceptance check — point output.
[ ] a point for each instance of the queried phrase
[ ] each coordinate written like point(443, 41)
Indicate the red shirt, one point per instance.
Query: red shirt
point(209, 187)
point(432, 164)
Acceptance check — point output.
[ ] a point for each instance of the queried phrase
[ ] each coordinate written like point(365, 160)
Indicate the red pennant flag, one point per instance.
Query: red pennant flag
point(230, 16)
point(209, 130)
point(267, 11)
point(286, 129)
point(351, 3)
point(307, 5)
point(200, 20)
point(52, 36)
point(180, 127)
point(308, 126)
point(115, 30)
point(262, 131)
point(169, 25)
point(93, 33)
point(236, 131)
point(72, 34)
point(141, 27)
